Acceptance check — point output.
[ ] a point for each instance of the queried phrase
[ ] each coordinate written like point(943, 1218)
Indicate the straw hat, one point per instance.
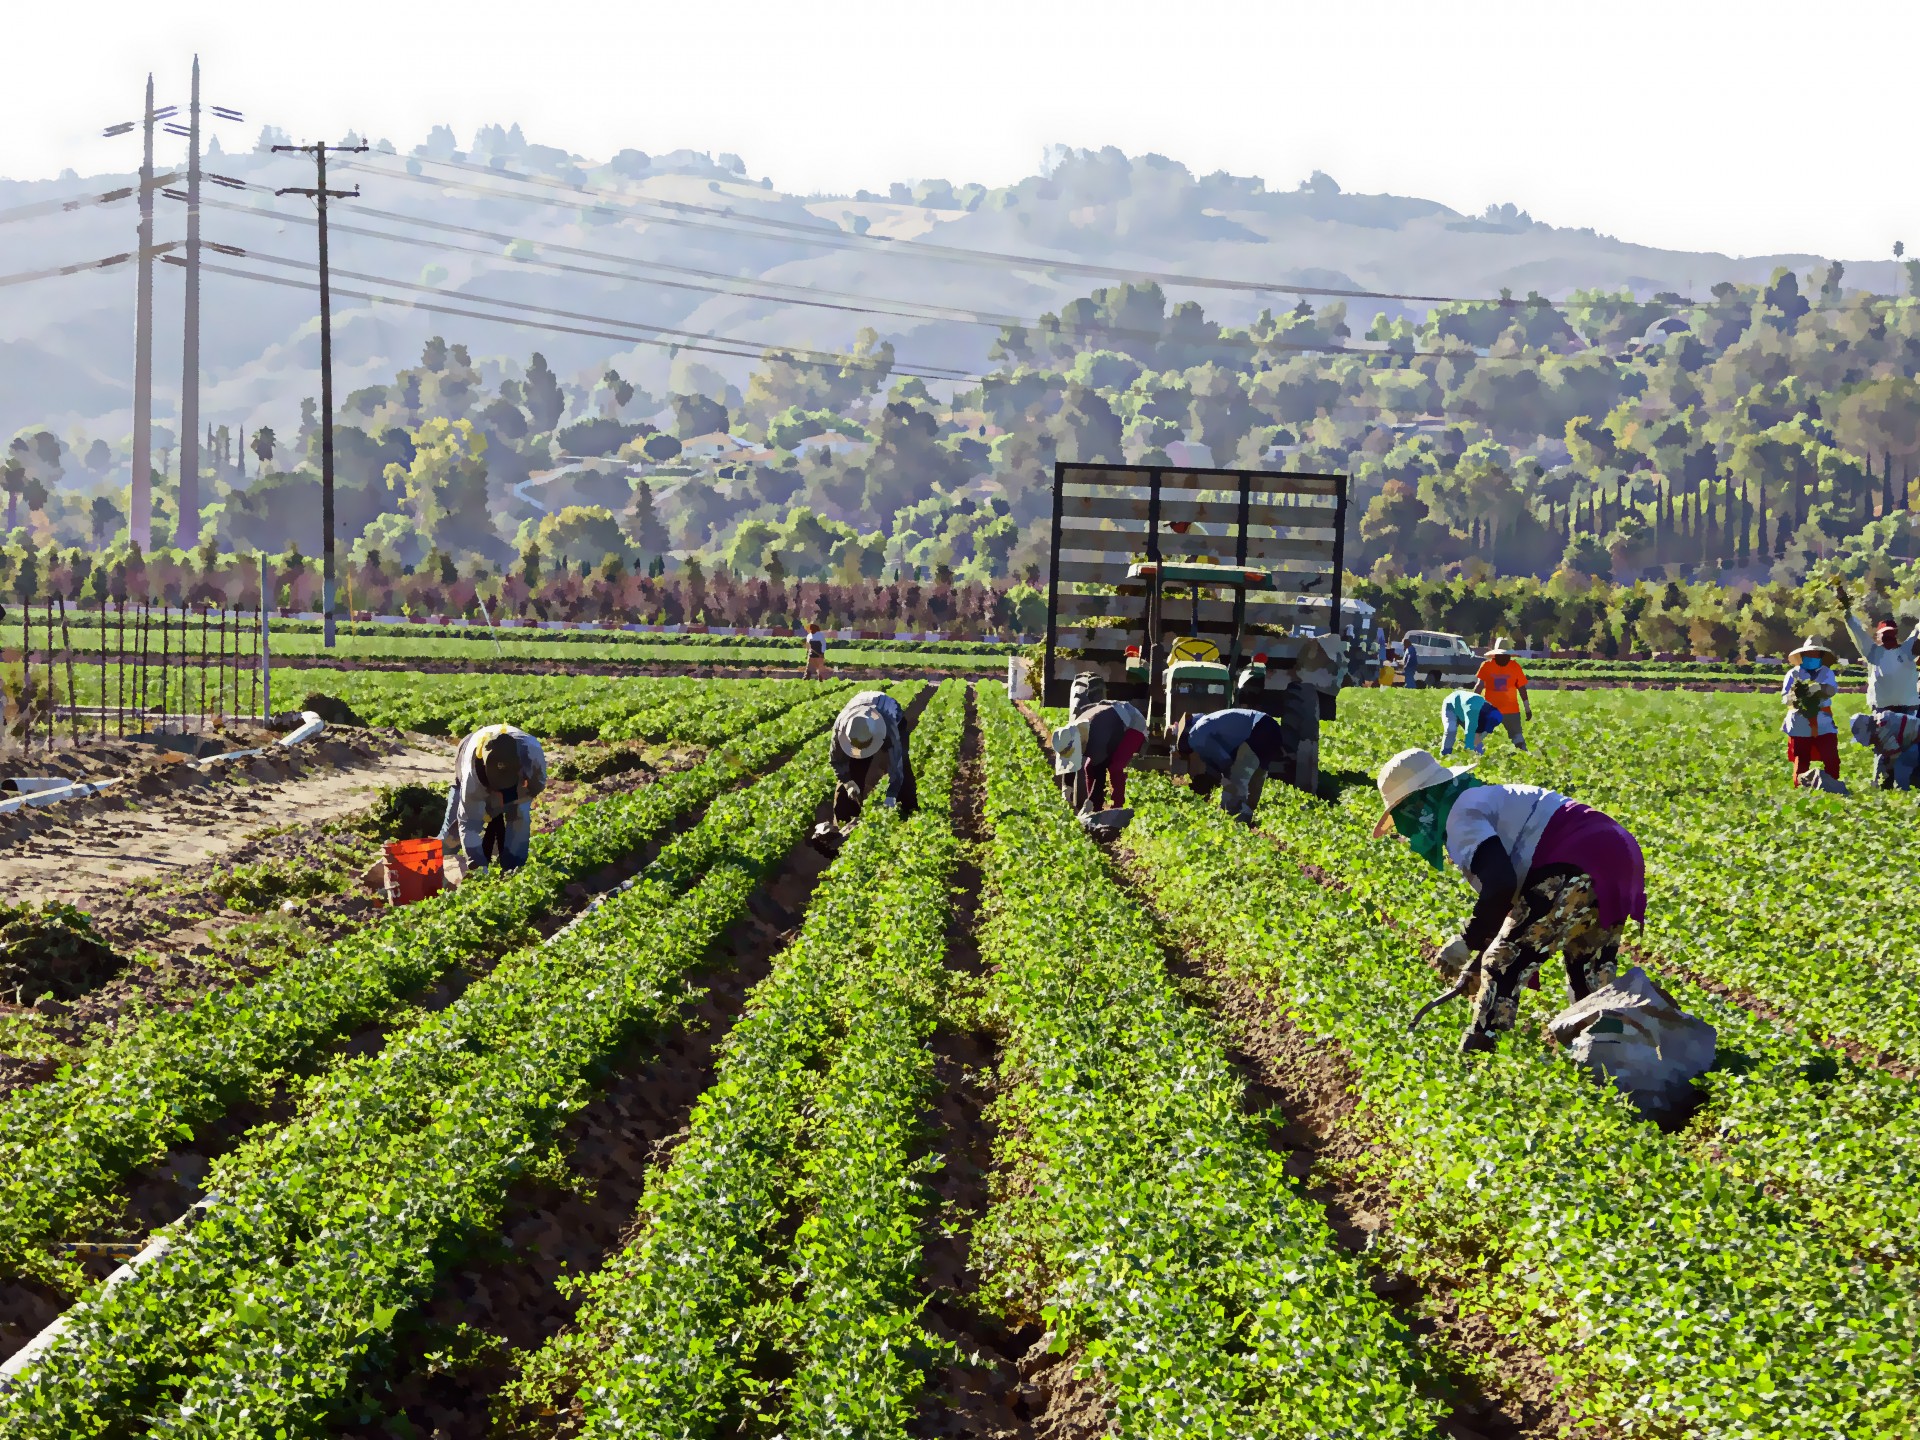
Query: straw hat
point(1813, 647)
point(1405, 776)
point(1502, 646)
point(864, 738)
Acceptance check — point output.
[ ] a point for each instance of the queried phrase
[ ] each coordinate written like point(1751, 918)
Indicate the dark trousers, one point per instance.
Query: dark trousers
point(865, 776)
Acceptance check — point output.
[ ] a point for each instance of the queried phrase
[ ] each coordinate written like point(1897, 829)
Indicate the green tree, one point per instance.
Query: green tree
point(263, 442)
point(445, 487)
point(643, 521)
point(544, 401)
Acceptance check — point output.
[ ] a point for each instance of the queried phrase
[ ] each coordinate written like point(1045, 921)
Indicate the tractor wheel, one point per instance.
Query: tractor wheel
point(1299, 718)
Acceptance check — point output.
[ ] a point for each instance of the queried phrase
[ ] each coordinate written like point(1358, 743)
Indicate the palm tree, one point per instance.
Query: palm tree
point(13, 478)
point(263, 443)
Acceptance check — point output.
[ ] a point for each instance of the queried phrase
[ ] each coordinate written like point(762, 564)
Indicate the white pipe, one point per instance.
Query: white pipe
point(161, 1242)
point(310, 726)
point(27, 784)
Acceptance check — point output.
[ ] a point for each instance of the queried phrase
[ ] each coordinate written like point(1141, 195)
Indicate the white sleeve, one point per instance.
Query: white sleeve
point(1469, 826)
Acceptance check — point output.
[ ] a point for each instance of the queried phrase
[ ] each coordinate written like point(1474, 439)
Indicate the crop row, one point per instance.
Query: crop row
point(1144, 1217)
point(808, 1131)
point(328, 1229)
point(1668, 1296)
point(66, 1145)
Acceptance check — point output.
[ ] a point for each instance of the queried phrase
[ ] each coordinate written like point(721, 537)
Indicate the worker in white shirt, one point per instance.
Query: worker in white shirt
point(497, 773)
point(1893, 678)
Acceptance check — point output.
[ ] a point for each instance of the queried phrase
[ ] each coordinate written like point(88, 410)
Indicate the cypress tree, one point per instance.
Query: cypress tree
point(1760, 524)
point(1744, 553)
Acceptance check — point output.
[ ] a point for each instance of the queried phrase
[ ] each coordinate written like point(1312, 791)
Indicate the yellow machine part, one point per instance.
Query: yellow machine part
point(1192, 648)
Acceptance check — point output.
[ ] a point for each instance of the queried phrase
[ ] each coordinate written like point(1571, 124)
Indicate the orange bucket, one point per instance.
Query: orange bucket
point(414, 870)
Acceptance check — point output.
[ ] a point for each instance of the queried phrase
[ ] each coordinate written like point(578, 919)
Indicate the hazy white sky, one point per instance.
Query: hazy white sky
point(1748, 127)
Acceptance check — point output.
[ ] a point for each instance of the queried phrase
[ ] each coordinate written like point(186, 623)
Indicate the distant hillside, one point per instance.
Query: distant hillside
point(594, 239)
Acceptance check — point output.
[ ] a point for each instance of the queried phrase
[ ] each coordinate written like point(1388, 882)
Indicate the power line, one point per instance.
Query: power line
point(55, 207)
point(107, 262)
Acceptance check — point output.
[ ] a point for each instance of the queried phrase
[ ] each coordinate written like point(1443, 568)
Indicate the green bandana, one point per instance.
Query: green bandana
point(1422, 817)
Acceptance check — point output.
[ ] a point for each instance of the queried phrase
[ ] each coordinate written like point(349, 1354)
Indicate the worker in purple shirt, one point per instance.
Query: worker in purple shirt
point(1233, 749)
point(1553, 875)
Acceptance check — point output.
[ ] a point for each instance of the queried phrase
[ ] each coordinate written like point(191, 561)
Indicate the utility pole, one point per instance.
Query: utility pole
point(187, 535)
point(320, 195)
point(140, 499)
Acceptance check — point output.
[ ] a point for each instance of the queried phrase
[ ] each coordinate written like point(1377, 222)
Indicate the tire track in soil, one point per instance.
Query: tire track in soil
point(507, 1291)
point(161, 1192)
point(1008, 1387)
point(1309, 1084)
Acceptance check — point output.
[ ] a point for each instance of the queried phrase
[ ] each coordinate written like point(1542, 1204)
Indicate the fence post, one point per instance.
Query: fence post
point(266, 654)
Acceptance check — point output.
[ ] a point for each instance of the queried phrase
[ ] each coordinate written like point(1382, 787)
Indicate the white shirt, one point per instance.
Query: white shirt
point(1892, 676)
point(1515, 815)
point(471, 804)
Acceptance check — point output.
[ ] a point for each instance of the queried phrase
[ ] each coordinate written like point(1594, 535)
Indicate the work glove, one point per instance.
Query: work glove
point(1453, 958)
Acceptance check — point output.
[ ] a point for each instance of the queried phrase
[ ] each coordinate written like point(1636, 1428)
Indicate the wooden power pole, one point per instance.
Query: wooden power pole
point(320, 195)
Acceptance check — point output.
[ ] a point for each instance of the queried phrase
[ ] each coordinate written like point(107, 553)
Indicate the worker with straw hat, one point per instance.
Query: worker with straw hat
point(870, 740)
point(1807, 692)
point(497, 773)
point(1504, 684)
point(1553, 875)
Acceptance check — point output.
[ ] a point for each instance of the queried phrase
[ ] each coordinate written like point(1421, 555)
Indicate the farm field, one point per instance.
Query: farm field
point(987, 1129)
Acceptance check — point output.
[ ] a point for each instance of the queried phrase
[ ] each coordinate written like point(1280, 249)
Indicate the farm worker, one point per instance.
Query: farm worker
point(1809, 724)
point(1504, 683)
point(869, 740)
point(816, 654)
point(1105, 736)
point(1894, 738)
point(1234, 749)
point(1552, 875)
point(1468, 717)
point(497, 773)
point(1893, 678)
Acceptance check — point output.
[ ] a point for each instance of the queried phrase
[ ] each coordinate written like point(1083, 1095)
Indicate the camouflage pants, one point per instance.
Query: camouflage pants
point(1552, 913)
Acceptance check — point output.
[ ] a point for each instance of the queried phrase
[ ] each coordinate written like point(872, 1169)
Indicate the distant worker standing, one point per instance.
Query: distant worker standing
point(870, 740)
point(1807, 691)
point(1468, 718)
point(816, 654)
point(1093, 748)
point(1504, 684)
point(497, 774)
point(1553, 875)
point(1234, 749)
point(1893, 680)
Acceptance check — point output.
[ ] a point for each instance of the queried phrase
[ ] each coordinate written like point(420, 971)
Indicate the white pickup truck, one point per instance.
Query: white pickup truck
point(1441, 659)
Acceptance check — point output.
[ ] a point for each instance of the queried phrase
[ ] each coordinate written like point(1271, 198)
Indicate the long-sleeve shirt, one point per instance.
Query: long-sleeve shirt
point(1797, 725)
point(1466, 710)
point(1216, 737)
point(471, 804)
point(1893, 678)
point(884, 712)
point(1492, 832)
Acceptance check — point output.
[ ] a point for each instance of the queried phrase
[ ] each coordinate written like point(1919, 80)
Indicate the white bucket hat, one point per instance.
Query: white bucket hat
point(864, 738)
point(1405, 776)
point(1502, 646)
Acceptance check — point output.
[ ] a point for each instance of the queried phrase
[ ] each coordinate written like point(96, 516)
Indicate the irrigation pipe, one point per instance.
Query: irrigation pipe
point(158, 1245)
point(36, 792)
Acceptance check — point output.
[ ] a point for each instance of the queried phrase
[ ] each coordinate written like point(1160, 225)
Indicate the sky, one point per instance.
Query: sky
point(1747, 128)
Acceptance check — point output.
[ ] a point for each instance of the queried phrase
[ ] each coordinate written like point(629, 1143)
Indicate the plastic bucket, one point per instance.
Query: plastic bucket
point(415, 870)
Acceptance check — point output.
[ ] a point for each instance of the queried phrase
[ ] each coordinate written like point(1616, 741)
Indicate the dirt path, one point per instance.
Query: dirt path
point(97, 852)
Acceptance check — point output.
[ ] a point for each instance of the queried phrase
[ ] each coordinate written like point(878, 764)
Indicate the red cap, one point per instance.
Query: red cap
point(1884, 632)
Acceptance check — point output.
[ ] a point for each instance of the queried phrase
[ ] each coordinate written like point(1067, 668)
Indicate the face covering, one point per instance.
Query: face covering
point(1422, 817)
point(1810, 663)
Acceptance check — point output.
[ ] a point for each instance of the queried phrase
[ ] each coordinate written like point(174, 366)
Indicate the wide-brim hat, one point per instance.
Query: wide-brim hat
point(864, 738)
point(1812, 647)
point(1502, 646)
point(1405, 776)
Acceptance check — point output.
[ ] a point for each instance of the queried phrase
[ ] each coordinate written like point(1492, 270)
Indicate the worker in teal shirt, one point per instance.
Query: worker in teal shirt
point(1467, 717)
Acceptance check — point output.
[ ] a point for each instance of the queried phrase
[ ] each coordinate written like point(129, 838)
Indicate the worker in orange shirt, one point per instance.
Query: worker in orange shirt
point(1504, 684)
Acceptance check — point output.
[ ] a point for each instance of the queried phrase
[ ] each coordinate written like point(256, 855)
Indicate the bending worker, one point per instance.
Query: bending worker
point(870, 740)
point(1807, 691)
point(1093, 748)
point(1552, 875)
point(1234, 749)
point(497, 772)
point(1470, 719)
point(1504, 683)
point(1893, 680)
